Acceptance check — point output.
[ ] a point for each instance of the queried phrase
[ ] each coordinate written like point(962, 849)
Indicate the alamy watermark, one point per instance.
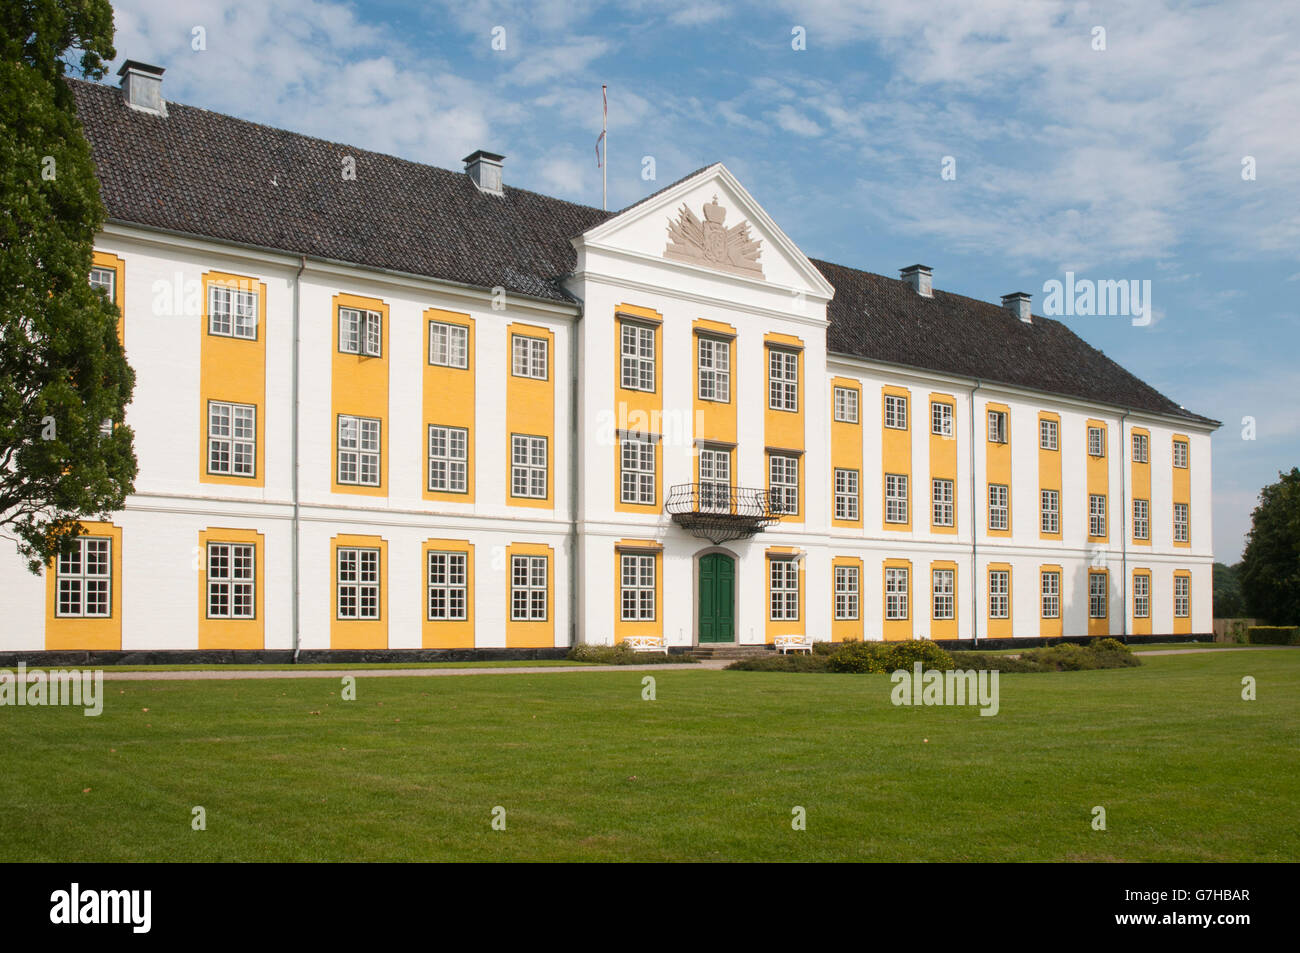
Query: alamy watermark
point(67, 687)
point(1127, 297)
point(957, 687)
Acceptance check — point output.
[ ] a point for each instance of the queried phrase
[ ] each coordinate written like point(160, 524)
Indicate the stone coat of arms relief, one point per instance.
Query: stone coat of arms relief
point(712, 243)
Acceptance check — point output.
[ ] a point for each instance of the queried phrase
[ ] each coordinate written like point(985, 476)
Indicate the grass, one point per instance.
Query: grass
point(711, 770)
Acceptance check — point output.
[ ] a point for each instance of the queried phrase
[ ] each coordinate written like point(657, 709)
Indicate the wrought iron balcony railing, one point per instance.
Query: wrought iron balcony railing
point(719, 512)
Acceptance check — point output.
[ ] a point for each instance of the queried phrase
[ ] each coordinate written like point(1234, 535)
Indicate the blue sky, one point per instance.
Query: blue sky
point(1115, 163)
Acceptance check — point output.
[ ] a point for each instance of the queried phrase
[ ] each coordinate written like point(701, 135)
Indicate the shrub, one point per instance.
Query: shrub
point(896, 655)
point(854, 657)
point(621, 655)
point(1273, 635)
point(781, 663)
point(998, 663)
point(1109, 645)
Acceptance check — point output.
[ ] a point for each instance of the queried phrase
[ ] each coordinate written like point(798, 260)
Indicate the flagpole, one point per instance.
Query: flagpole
point(604, 166)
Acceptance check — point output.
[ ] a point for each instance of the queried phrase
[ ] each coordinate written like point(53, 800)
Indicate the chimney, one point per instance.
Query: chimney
point(142, 87)
point(1018, 304)
point(919, 277)
point(484, 169)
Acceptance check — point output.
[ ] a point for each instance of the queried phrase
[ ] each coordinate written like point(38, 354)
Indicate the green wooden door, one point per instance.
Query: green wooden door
point(717, 592)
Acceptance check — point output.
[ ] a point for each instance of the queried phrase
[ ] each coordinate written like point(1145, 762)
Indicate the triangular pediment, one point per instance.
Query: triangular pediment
point(709, 223)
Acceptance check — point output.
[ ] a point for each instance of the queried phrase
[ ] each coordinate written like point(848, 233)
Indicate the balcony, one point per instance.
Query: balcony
point(719, 512)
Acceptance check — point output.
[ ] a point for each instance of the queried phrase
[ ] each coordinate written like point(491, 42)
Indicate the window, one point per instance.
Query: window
point(1182, 597)
point(1141, 596)
point(1096, 595)
point(846, 592)
point(1051, 501)
point(783, 483)
point(528, 357)
point(999, 594)
point(638, 588)
point(360, 332)
point(715, 369)
point(232, 439)
point(999, 510)
point(1097, 514)
point(1048, 434)
point(231, 583)
point(896, 593)
point(896, 498)
point(638, 368)
point(846, 494)
point(528, 466)
point(84, 579)
point(997, 426)
point(943, 505)
point(1181, 529)
point(941, 419)
point(358, 583)
point(448, 345)
point(782, 379)
point(1051, 595)
point(1180, 454)
point(638, 471)
point(232, 313)
point(846, 405)
point(448, 595)
point(1096, 442)
point(941, 586)
point(1140, 448)
point(715, 480)
point(1141, 519)
point(358, 450)
point(104, 279)
point(895, 412)
point(528, 588)
point(448, 458)
point(785, 589)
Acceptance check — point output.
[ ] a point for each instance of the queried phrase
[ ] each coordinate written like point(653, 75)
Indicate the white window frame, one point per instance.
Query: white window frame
point(846, 494)
point(999, 506)
point(637, 470)
point(637, 579)
point(782, 379)
point(783, 482)
point(999, 594)
point(1096, 441)
point(448, 345)
point(1141, 595)
point(526, 472)
point(637, 350)
point(943, 595)
point(232, 312)
point(1182, 450)
point(1141, 448)
point(1182, 597)
point(783, 575)
point(88, 568)
point(446, 585)
point(1049, 434)
point(105, 279)
point(715, 369)
point(1183, 525)
point(897, 509)
point(232, 439)
point(358, 575)
point(231, 581)
point(1050, 504)
point(895, 412)
point(998, 424)
point(528, 588)
point(529, 357)
point(715, 480)
point(1098, 595)
point(448, 459)
point(1096, 514)
point(359, 450)
point(847, 593)
point(941, 418)
point(846, 404)
point(943, 495)
point(1141, 519)
point(361, 331)
point(1050, 588)
point(897, 598)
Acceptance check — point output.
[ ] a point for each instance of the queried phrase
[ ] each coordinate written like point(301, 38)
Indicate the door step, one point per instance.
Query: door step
point(729, 651)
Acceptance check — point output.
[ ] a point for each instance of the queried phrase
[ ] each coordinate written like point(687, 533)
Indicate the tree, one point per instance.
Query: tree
point(1270, 567)
point(63, 373)
point(1228, 602)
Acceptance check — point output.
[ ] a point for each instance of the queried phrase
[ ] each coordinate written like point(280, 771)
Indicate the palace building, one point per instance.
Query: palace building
point(385, 405)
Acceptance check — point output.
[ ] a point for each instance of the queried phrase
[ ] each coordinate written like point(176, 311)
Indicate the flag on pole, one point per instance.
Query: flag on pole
point(604, 104)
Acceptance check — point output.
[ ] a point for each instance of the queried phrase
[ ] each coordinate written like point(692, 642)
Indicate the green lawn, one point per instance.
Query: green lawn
point(710, 770)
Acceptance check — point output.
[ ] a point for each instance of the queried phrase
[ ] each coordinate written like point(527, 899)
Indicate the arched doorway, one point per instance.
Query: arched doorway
point(716, 598)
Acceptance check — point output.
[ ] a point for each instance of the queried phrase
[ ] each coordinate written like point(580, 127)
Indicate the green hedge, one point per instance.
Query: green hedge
point(1273, 635)
point(622, 655)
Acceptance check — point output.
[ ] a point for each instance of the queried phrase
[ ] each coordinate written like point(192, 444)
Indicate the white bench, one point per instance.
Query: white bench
point(792, 643)
point(646, 643)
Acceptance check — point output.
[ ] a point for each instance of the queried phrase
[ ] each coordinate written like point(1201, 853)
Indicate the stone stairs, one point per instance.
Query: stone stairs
point(730, 651)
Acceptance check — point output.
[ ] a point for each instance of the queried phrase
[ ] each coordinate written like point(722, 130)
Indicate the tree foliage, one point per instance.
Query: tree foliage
point(63, 372)
point(1228, 601)
point(1270, 567)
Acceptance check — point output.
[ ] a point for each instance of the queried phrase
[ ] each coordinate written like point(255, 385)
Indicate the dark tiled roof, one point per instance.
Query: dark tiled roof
point(883, 319)
point(214, 176)
point(207, 174)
